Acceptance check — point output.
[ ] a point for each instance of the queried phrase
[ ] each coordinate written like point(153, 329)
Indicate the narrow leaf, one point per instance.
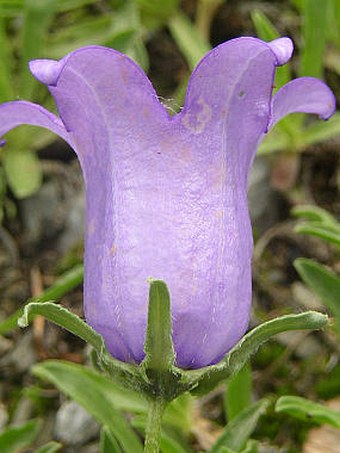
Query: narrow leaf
point(65, 283)
point(329, 233)
point(238, 392)
point(323, 282)
point(306, 410)
point(251, 447)
point(11, 8)
point(314, 33)
point(313, 213)
point(16, 438)
point(37, 17)
point(108, 443)
point(6, 88)
point(267, 32)
point(240, 428)
point(97, 394)
point(188, 39)
point(50, 447)
point(321, 130)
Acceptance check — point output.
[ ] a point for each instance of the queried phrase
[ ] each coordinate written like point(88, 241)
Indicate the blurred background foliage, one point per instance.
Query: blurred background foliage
point(167, 38)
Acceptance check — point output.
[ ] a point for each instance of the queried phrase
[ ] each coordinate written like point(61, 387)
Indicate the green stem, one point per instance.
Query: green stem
point(153, 427)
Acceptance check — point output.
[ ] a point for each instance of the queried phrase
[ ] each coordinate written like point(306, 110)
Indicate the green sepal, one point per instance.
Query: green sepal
point(158, 366)
point(205, 379)
point(71, 322)
point(159, 350)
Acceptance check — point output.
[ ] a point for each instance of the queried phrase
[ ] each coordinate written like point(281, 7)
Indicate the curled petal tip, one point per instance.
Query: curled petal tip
point(283, 49)
point(304, 95)
point(330, 104)
point(46, 71)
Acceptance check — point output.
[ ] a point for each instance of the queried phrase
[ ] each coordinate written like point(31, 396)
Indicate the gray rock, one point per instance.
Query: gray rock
point(74, 426)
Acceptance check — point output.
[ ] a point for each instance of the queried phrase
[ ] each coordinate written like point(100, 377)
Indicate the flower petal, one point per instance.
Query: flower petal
point(283, 49)
point(13, 114)
point(305, 95)
point(98, 92)
point(230, 90)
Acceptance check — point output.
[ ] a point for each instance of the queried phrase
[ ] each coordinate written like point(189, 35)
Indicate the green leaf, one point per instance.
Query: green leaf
point(122, 398)
point(238, 391)
point(23, 172)
point(264, 28)
point(323, 282)
point(267, 32)
point(14, 438)
point(188, 39)
point(314, 33)
point(206, 379)
point(240, 428)
point(180, 413)
point(318, 223)
point(94, 30)
point(251, 447)
point(108, 443)
point(306, 410)
point(37, 17)
point(64, 6)
point(50, 447)
point(64, 284)
point(321, 130)
point(10, 8)
point(101, 397)
point(205, 13)
point(6, 88)
point(313, 213)
point(274, 142)
point(329, 233)
point(156, 12)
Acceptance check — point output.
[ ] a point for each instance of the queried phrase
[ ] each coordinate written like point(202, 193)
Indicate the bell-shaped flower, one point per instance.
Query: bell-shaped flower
point(166, 196)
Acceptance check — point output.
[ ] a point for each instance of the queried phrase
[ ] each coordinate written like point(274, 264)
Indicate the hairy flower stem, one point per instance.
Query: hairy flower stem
point(153, 427)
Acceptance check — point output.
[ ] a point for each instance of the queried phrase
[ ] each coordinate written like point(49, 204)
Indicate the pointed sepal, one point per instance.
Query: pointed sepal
point(159, 363)
point(205, 379)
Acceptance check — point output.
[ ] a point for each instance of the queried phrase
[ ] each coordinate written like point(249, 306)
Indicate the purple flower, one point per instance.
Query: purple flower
point(167, 196)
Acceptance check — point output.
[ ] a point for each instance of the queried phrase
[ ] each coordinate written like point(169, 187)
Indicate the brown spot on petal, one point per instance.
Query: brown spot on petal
point(113, 250)
point(197, 121)
point(91, 227)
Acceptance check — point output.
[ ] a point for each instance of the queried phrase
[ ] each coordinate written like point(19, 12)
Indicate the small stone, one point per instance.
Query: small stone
point(74, 425)
point(305, 297)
